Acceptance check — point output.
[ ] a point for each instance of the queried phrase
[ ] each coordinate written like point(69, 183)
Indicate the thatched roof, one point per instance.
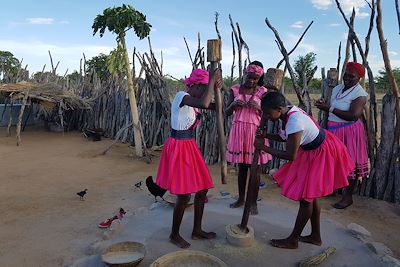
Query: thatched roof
point(48, 94)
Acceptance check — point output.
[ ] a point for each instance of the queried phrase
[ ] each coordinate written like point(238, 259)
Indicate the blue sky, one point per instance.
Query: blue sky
point(29, 29)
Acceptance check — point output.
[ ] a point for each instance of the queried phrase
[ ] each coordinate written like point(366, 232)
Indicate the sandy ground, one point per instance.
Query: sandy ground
point(44, 223)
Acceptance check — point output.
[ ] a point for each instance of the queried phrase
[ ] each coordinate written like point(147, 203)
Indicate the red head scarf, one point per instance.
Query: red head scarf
point(356, 67)
point(197, 76)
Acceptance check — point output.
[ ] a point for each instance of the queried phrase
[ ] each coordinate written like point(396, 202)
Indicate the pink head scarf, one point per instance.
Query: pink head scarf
point(257, 70)
point(197, 76)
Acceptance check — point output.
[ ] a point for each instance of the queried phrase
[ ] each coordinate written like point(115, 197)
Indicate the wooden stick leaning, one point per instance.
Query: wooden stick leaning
point(214, 56)
point(251, 190)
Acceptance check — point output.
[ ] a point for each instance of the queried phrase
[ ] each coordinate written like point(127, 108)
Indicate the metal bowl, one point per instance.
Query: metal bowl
point(188, 258)
point(124, 254)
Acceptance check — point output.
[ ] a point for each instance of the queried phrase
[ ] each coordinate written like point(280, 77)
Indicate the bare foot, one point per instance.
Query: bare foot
point(179, 241)
point(203, 235)
point(284, 243)
point(253, 210)
point(237, 204)
point(311, 240)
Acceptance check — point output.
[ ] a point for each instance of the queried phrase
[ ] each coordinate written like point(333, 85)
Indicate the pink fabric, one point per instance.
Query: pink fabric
point(316, 173)
point(357, 67)
point(182, 169)
point(255, 69)
point(198, 76)
point(240, 147)
point(353, 137)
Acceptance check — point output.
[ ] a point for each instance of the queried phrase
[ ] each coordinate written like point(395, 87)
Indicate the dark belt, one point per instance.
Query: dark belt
point(182, 134)
point(316, 142)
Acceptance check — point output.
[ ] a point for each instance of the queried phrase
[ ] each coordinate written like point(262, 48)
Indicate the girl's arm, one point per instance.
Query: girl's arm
point(205, 100)
point(292, 146)
point(230, 105)
point(355, 112)
point(274, 137)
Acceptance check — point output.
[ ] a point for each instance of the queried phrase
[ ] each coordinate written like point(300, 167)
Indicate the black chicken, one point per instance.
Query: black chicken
point(81, 194)
point(154, 189)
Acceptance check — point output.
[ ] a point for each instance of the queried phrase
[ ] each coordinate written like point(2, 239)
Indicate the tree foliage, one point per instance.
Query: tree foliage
point(98, 64)
point(382, 82)
point(304, 66)
point(121, 19)
point(9, 65)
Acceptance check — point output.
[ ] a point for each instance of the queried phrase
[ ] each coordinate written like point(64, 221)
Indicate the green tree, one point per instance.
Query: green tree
point(303, 67)
point(9, 65)
point(382, 82)
point(98, 64)
point(119, 20)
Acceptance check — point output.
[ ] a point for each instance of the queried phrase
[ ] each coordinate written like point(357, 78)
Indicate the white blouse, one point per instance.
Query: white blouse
point(299, 121)
point(182, 118)
point(342, 100)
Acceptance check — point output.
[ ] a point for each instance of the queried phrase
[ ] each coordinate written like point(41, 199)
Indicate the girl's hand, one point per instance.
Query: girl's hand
point(253, 104)
point(322, 105)
point(259, 133)
point(239, 103)
point(259, 143)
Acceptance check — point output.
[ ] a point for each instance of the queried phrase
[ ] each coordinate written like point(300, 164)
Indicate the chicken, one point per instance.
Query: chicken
point(154, 189)
point(93, 134)
point(81, 194)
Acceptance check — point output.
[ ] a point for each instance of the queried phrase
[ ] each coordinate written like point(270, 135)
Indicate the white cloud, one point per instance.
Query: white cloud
point(393, 53)
point(321, 4)
point(334, 25)
point(40, 21)
point(297, 25)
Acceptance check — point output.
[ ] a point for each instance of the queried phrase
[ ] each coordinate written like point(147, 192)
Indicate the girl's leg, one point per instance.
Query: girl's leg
point(242, 179)
point(253, 208)
point(304, 214)
point(347, 199)
point(198, 232)
point(315, 236)
point(179, 209)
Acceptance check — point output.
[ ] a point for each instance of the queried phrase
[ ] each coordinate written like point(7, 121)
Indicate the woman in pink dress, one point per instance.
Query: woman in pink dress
point(345, 109)
point(318, 164)
point(182, 170)
point(244, 103)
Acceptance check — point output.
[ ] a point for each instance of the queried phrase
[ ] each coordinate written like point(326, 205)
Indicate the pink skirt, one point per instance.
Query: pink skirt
point(240, 148)
point(353, 137)
point(316, 173)
point(182, 169)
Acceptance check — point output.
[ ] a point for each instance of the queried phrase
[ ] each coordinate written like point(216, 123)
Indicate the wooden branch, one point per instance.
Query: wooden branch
point(398, 13)
point(371, 25)
point(289, 67)
point(234, 56)
point(21, 113)
point(348, 44)
point(51, 61)
point(339, 56)
point(216, 25)
point(294, 48)
point(239, 47)
point(246, 47)
point(117, 136)
point(190, 55)
point(388, 67)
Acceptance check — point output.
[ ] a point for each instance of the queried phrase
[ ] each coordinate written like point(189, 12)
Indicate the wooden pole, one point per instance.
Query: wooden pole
point(214, 56)
point(251, 190)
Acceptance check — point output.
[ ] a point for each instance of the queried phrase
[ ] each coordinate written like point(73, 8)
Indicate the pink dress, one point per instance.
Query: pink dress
point(182, 169)
point(246, 120)
point(317, 170)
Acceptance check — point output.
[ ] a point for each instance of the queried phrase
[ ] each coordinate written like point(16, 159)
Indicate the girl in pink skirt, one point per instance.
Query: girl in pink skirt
point(182, 169)
point(244, 102)
point(318, 163)
point(345, 109)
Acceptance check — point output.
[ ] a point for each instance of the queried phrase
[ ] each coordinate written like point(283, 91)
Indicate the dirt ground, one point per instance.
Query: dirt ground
point(44, 223)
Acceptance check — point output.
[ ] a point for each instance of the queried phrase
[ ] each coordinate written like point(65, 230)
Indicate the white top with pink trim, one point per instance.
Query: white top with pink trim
point(298, 121)
point(342, 100)
point(182, 118)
